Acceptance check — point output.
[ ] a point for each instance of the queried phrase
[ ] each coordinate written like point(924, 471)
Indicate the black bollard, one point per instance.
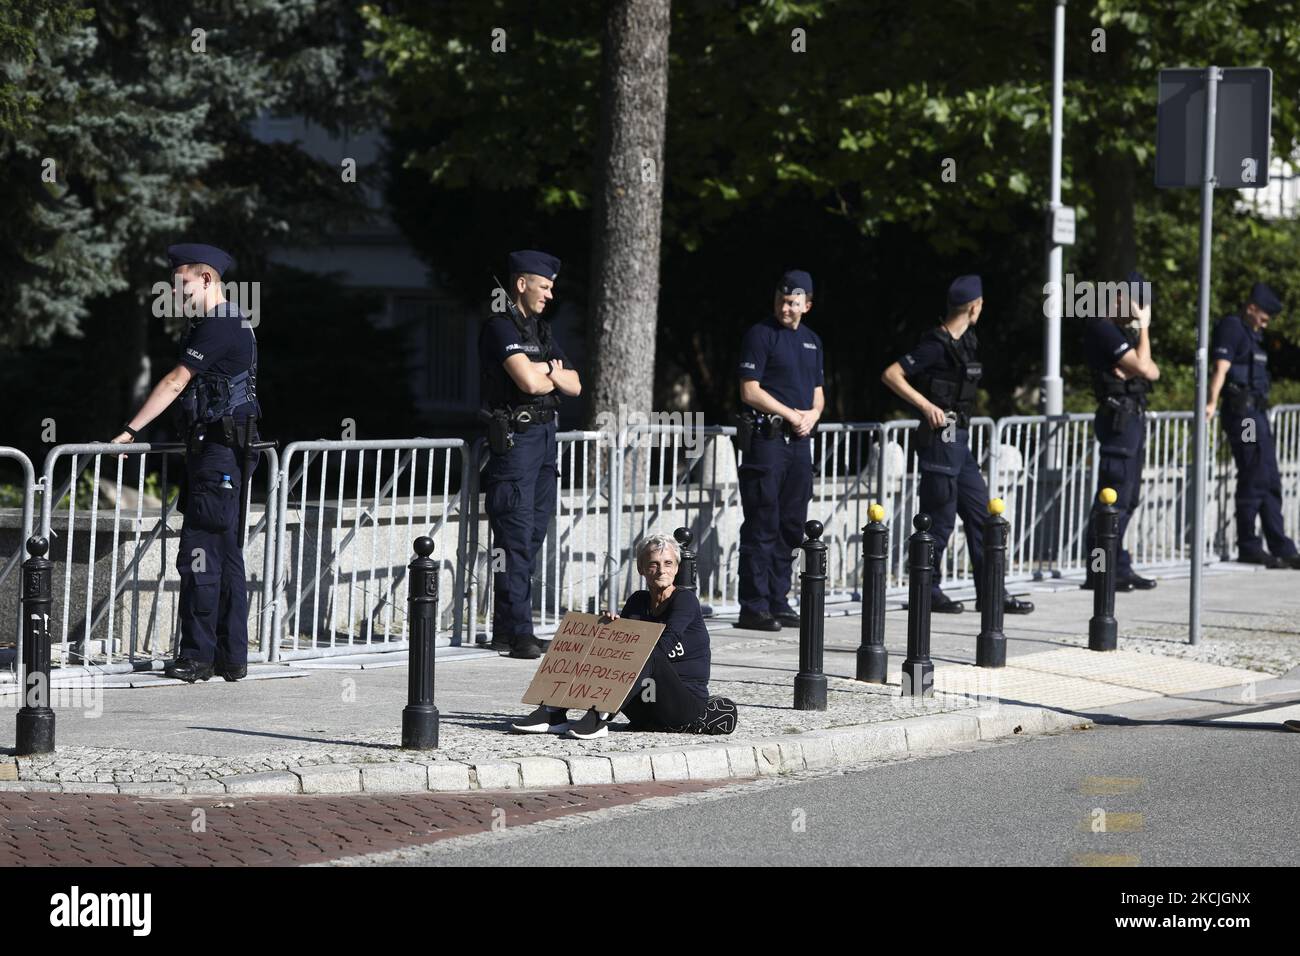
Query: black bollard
point(810, 682)
point(420, 716)
point(873, 659)
point(686, 579)
point(991, 644)
point(918, 671)
point(1103, 631)
point(35, 730)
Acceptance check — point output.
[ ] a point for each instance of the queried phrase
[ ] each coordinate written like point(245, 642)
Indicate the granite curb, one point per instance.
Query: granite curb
point(725, 759)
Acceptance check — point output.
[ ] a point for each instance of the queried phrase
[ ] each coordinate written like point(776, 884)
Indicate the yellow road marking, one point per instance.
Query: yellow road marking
point(1109, 786)
point(1105, 859)
point(1115, 823)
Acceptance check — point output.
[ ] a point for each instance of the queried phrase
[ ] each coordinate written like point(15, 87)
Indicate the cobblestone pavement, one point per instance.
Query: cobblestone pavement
point(39, 829)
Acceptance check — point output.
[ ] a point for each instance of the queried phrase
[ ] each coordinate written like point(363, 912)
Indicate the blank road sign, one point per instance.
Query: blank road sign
point(1243, 122)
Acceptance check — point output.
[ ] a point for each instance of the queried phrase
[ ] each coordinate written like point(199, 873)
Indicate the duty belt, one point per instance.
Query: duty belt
point(526, 415)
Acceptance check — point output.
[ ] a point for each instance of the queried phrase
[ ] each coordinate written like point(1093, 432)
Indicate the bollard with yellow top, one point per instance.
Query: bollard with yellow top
point(873, 659)
point(991, 644)
point(1103, 631)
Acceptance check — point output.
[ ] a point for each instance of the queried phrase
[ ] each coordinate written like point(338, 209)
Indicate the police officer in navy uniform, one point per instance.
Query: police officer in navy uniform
point(216, 383)
point(940, 377)
point(1241, 374)
point(1119, 357)
point(524, 372)
point(781, 383)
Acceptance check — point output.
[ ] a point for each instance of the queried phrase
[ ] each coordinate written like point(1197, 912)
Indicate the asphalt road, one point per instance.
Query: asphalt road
point(1189, 793)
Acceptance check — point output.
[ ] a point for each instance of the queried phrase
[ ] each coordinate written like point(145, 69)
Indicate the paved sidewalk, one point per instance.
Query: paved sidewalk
point(322, 729)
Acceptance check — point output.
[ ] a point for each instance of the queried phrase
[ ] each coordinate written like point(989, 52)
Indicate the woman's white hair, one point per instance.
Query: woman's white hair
point(656, 542)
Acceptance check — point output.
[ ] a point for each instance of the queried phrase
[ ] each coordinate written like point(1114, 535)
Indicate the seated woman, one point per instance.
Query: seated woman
point(671, 694)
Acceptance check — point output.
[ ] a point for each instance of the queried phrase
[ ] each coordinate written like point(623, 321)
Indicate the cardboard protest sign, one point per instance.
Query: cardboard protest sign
point(590, 664)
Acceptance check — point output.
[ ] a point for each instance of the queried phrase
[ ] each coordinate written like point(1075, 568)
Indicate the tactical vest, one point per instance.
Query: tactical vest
point(498, 389)
point(1106, 384)
point(211, 396)
point(955, 386)
point(1251, 372)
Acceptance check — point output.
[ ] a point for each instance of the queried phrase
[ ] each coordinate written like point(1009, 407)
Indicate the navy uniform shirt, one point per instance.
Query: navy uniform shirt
point(1104, 344)
point(500, 339)
point(221, 344)
point(685, 638)
point(786, 363)
point(1234, 341)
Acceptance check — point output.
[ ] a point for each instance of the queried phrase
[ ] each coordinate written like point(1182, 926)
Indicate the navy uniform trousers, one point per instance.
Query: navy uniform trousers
point(1119, 467)
point(775, 486)
point(214, 592)
point(1259, 486)
point(520, 500)
point(951, 485)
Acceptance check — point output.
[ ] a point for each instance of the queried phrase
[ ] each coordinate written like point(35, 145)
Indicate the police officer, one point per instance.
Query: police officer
point(216, 382)
point(781, 384)
point(523, 374)
point(1241, 374)
point(1119, 357)
point(941, 378)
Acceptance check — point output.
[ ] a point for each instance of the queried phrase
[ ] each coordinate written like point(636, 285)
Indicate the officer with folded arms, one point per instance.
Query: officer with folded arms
point(941, 378)
point(781, 383)
point(1118, 351)
point(524, 372)
point(1241, 375)
point(216, 383)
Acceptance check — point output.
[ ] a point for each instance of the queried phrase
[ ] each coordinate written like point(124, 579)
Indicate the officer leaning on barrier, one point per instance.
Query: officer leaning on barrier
point(940, 377)
point(1119, 357)
point(781, 383)
point(1241, 374)
point(523, 374)
point(216, 382)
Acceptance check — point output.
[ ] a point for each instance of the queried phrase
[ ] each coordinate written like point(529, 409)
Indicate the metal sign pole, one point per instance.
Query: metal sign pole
point(1212, 76)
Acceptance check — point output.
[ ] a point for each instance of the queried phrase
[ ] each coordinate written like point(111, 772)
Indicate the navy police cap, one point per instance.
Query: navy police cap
point(795, 281)
point(1265, 298)
point(965, 289)
point(533, 262)
point(189, 253)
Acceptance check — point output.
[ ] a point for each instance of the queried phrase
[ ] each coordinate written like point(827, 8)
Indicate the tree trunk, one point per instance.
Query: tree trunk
point(628, 204)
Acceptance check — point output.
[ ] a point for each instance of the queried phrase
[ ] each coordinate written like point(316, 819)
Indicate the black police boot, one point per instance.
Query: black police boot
point(526, 648)
point(758, 621)
point(940, 603)
point(501, 645)
point(1013, 605)
point(1136, 582)
point(183, 668)
point(787, 616)
point(1261, 558)
point(1292, 561)
point(232, 674)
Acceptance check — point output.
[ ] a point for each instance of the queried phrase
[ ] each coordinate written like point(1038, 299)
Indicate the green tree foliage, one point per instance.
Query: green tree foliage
point(832, 158)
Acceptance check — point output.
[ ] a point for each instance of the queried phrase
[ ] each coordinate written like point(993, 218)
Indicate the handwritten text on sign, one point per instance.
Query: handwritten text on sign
point(590, 664)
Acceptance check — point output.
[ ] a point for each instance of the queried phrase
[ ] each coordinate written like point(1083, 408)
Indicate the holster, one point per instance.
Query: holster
point(1240, 401)
point(744, 439)
point(1121, 413)
point(499, 434)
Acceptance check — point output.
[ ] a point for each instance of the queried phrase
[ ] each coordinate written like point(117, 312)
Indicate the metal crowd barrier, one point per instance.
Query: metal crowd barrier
point(346, 517)
point(1285, 420)
point(116, 594)
point(10, 665)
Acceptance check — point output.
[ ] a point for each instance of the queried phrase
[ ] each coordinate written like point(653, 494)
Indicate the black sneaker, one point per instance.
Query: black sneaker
point(183, 668)
point(1136, 582)
point(544, 720)
point(591, 726)
point(232, 674)
point(526, 648)
point(754, 621)
point(786, 617)
point(940, 603)
point(1013, 605)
